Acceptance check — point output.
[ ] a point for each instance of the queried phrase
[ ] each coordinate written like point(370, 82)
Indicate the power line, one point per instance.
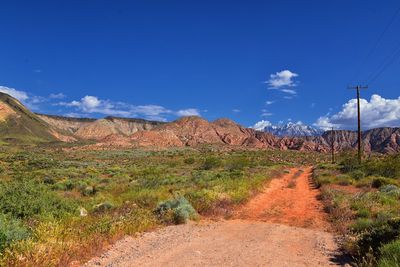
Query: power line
point(385, 64)
point(376, 44)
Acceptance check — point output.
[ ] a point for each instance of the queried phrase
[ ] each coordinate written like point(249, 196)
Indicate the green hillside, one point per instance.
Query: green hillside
point(22, 126)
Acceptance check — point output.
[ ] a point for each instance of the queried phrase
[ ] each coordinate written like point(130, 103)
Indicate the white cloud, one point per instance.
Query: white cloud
point(235, 110)
point(269, 102)
point(289, 91)
point(266, 114)
point(20, 95)
point(378, 112)
point(282, 79)
point(57, 96)
point(92, 104)
point(288, 97)
point(149, 110)
point(188, 112)
point(259, 126)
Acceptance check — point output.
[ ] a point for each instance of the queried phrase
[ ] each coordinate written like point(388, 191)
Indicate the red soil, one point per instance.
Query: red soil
point(289, 200)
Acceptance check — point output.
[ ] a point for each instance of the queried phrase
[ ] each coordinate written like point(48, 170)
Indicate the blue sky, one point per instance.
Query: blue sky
point(245, 60)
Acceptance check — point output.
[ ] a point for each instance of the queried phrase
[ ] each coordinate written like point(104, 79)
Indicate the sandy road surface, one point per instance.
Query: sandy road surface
point(282, 226)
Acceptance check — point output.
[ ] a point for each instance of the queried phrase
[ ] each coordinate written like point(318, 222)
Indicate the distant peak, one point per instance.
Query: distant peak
point(288, 129)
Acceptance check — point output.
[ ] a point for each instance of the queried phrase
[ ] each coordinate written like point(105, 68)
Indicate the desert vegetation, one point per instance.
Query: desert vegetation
point(363, 202)
point(58, 205)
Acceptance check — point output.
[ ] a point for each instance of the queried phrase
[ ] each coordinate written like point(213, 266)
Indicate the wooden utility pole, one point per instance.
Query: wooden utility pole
point(333, 146)
point(358, 87)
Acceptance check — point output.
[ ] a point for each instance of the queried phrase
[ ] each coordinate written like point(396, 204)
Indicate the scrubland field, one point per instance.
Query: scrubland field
point(364, 206)
point(60, 205)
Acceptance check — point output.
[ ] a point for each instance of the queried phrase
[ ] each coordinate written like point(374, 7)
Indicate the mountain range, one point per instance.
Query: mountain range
point(288, 129)
point(19, 125)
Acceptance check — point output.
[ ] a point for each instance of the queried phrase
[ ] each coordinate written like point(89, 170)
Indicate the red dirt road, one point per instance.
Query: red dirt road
point(290, 200)
point(282, 226)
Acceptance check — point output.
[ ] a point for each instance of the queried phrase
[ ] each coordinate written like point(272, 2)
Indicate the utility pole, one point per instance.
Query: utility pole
point(333, 146)
point(358, 87)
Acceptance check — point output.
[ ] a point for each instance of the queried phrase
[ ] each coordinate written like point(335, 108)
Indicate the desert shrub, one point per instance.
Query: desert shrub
point(344, 179)
point(390, 254)
point(206, 200)
point(349, 163)
point(41, 163)
point(361, 224)
point(177, 210)
point(211, 163)
point(189, 160)
point(391, 190)
point(102, 207)
point(357, 174)
point(25, 199)
point(324, 166)
point(378, 235)
point(237, 163)
point(11, 230)
point(388, 166)
point(48, 180)
point(378, 182)
point(88, 190)
point(321, 178)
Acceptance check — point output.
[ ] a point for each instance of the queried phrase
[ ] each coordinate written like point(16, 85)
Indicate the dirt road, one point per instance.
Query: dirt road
point(282, 226)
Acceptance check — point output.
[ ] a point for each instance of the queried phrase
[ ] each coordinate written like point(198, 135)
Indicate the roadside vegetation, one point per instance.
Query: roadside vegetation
point(364, 204)
point(58, 204)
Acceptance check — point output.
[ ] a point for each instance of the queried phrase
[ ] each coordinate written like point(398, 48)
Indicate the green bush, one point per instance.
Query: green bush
point(102, 207)
point(88, 190)
point(25, 199)
point(11, 230)
point(388, 166)
point(357, 174)
point(390, 254)
point(390, 190)
point(211, 163)
point(177, 210)
point(349, 163)
point(237, 163)
point(48, 180)
point(190, 160)
point(379, 235)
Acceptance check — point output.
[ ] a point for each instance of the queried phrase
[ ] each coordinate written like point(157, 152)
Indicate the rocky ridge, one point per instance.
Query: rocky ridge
point(19, 124)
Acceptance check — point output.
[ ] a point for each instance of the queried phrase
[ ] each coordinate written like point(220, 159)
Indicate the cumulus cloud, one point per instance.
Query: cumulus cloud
point(92, 104)
point(259, 126)
point(57, 96)
point(289, 91)
point(266, 114)
point(282, 79)
point(188, 112)
point(288, 97)
point(269, 102)
point(20, 95)
point(377, 112)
